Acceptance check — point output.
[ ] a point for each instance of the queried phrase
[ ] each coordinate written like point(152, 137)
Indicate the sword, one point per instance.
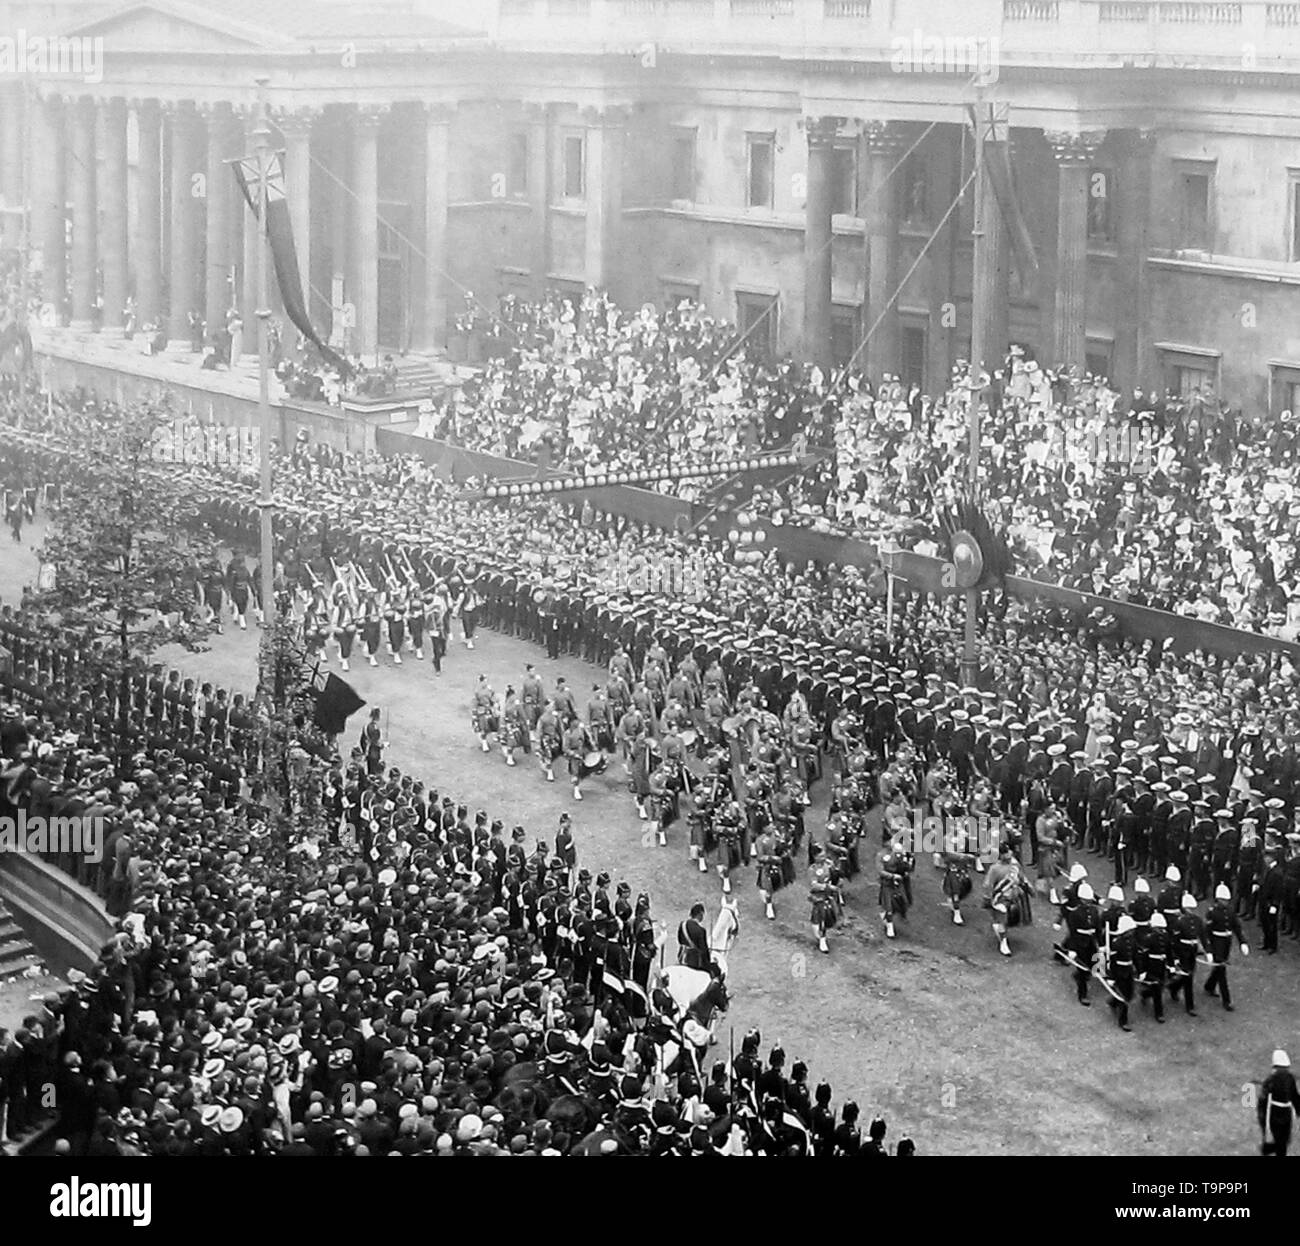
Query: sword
point(1096, 973)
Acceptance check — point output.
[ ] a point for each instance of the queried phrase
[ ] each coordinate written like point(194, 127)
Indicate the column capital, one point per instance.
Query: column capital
point(114, 104)
point(883, 138)
point(1142, 139)
point(143, 103)
point(439, 112)
point(368, 116)
point(297, 120)
point(822, 131)
point(536, 112)
point(605, 116)
point(1070, 148)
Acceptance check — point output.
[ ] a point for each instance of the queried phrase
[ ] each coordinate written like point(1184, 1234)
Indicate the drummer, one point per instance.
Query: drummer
point(600, 719)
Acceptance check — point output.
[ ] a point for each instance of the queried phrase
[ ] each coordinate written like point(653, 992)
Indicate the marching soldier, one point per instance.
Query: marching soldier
point(484, 713)
point(1170, 899)
point(1185, 939)
point(1221, 927)
point(1121, 969)
point(1081, 942)
point(1153, 958)
point(576, 747)
point(549, 740)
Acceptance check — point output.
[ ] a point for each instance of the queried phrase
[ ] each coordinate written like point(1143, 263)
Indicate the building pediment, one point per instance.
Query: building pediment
point(176, 28)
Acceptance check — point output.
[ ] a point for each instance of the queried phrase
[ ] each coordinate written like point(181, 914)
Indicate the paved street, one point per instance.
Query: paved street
point(968, 1053)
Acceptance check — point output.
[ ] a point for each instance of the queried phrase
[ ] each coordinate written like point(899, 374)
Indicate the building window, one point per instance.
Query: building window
point(756, 320)
point(762, 158)
point(844, 181)
point(1101, 205)
point(912, 356)
point(845, 334)
point(1195, 204)
point(678, 292)
point(575, 166)
point(916, 189)
point(1096, 360)
point(683, 169)
point(1188, 370)
point(1284, 388)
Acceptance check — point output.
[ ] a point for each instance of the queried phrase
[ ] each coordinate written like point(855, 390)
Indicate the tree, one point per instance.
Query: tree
point(125, 547)
point(295, 753)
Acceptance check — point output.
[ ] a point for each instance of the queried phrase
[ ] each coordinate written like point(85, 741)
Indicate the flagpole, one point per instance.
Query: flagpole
point(980, 288)
point(266, 503)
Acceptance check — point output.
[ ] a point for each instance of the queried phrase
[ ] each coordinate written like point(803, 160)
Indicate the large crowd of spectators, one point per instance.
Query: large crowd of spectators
point(267, 993)
point(1182, 503)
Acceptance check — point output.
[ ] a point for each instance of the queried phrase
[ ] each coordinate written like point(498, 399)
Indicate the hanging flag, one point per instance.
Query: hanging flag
point(997, 158)
point(279, 230)
point(335, 704)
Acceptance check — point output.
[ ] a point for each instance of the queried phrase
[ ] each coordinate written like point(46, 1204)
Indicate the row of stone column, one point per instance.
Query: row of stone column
point(78, 157)
point(1065, 303)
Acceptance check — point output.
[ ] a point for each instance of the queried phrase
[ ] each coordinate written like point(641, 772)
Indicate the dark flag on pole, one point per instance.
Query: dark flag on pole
point(279, 230)
point(335, 704)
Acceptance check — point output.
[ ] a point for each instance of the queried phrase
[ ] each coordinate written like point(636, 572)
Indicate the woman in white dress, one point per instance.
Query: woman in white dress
point(1099, 718)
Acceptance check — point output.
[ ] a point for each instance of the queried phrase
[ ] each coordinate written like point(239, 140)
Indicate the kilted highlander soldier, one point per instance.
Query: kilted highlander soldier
point(824, 893)
point(550, 744)
point(483, 712)
point(577, 744)
point(514, 727)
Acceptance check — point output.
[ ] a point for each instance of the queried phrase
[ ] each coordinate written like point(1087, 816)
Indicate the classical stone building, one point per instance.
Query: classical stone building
point(798, 165)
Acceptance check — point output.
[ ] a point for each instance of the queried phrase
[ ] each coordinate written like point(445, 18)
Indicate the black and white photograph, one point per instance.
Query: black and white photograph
point(650, 578)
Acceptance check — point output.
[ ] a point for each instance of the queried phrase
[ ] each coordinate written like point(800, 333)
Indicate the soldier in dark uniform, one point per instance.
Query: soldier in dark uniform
point(1081, 941)
point(1153, 959)
point(1221, 927)
point(1180, 830)
point(1279, 1100)
point(1185, 937)
point(1272, 891)
point(1121, 967)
